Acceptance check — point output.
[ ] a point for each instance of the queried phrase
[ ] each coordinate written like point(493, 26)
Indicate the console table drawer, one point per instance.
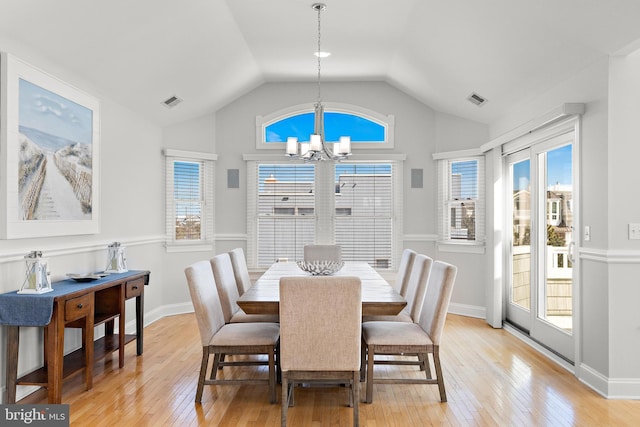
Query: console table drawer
point(76, 308)
point(134, 288)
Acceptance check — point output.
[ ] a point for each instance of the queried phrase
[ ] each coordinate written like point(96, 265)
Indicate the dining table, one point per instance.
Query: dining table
point(378, 296)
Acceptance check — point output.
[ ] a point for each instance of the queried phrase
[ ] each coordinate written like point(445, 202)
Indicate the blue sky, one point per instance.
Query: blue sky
point(335, 126)
point(559, 169)
point(53, 114)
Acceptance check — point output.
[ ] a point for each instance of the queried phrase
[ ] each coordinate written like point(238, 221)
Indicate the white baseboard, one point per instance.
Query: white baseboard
point(593, 379)
point(611, 388)
point(468, 310)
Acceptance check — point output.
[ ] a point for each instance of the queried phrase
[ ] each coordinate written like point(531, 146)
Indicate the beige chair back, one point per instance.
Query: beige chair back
point(436, 301)
point(323, 253)
point(206, 301)
point(226, 284)
point(406, 262)
point(240, 270)
point(320, 323)
point(416, 285)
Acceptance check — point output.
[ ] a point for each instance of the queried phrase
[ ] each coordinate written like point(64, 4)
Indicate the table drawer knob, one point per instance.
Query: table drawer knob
point(134, 287)
point(79, 305)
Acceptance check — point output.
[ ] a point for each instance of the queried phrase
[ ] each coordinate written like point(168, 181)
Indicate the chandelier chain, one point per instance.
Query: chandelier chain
point(319, 52)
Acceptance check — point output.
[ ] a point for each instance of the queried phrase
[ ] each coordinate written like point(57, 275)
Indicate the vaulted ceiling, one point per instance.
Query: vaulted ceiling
point(209, 52)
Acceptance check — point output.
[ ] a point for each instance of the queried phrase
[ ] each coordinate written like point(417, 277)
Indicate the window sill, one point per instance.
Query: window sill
point(188, 247)
point(466, 248)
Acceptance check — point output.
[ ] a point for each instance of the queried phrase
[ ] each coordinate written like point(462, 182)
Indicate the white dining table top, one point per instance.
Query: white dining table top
point(378, 297)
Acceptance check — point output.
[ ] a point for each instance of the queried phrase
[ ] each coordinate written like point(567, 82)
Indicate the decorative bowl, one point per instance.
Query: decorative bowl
point(86, 277)
point(320, 268)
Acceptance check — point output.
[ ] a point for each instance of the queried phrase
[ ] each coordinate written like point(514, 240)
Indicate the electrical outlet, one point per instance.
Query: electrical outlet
point(634, 231)
point(587, 233)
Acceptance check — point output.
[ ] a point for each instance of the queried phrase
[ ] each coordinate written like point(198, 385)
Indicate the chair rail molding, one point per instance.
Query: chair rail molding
point(614, 256)
point(231, 237)
point(420, 237)
point(81, 247)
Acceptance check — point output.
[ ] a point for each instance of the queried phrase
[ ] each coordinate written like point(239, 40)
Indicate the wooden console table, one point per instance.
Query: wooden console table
point(71, 305)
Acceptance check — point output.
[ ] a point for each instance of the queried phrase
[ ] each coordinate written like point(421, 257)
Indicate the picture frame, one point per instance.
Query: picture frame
point(49, 154)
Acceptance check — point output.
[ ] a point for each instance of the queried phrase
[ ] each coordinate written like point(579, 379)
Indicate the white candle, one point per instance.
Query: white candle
point(292, 146)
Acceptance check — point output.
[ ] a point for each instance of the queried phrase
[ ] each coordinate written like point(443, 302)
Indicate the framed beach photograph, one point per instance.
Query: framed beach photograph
point(49, 154)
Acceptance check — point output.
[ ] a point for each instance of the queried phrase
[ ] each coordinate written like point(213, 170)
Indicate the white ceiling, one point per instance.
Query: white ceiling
point(208, 52)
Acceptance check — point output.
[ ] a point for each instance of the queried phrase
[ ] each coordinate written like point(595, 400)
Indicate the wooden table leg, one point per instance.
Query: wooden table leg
point(139, 322)
point(55, 348)
point(88, 348)
point(11, 374)
point(121, 331)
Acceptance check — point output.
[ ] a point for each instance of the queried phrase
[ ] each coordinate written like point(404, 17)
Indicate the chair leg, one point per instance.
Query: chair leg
point(278, 368)
point(370, 356)
point(284, 401)
point(424, 364)
point(203, 373)
point(363, 361)
point(355, 391)
point(213, 375)
point(436, 362)
point(216, 365)
point(272, 376)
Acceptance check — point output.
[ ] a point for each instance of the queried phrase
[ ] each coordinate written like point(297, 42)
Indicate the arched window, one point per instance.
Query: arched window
point(366, 128)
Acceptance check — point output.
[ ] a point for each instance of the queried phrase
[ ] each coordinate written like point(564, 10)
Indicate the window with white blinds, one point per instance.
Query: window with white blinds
point(286, 211)
point(189, 201)
point(363, 212)
point(461, 211)
point(355, 205)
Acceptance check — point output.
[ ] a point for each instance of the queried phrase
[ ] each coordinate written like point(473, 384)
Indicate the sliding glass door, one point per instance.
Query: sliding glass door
point(540, 215)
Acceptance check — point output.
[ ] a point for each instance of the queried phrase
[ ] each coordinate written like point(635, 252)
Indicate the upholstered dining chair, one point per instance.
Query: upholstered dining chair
point(322, 253)
point(320, 324)
point(406, 262)
point(219, 338)
point(415, 287)
point(240, 270)
point(422, 338)
point(228, 291)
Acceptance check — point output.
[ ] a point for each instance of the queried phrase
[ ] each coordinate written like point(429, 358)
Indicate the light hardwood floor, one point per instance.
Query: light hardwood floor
point(492, 379)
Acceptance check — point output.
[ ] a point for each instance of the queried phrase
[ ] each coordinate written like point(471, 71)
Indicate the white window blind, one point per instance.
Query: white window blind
point(364, 212)
point(461, 211)
point(286, 211)
point(189, 200)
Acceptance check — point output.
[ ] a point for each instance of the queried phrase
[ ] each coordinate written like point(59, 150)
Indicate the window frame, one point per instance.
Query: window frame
point(207, 179)
point(445, 203)
point(386, 121)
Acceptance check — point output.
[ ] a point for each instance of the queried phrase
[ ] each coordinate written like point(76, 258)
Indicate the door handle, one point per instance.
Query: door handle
point(570, 251)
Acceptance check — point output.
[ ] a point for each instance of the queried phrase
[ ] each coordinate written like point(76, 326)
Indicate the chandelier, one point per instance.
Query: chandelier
point(317, 148)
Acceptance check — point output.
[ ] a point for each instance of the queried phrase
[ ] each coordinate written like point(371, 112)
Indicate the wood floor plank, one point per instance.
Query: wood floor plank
point(491, 377)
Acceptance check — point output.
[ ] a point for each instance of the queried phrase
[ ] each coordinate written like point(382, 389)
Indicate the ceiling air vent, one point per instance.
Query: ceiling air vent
point(476, 99)
point(172, 101)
